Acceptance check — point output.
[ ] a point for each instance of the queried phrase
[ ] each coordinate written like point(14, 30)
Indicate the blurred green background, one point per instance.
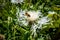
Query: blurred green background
point(13, 31)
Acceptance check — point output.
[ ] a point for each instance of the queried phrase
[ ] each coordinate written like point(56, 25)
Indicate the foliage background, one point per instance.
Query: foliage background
point(13, 31)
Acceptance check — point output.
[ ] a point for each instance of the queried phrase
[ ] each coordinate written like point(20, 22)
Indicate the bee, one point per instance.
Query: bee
point(28, 15)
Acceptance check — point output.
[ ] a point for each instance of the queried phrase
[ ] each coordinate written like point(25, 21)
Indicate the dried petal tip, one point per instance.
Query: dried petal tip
point(2, 37)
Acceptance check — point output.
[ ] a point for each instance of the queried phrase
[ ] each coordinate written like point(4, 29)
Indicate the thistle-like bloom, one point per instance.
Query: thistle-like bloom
point(32, 16)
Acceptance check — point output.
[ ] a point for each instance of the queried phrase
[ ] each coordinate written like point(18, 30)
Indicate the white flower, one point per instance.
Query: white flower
point(16, 1)
point(33, 16)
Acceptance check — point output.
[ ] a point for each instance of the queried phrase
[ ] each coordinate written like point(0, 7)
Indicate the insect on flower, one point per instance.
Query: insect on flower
point(31, 16)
